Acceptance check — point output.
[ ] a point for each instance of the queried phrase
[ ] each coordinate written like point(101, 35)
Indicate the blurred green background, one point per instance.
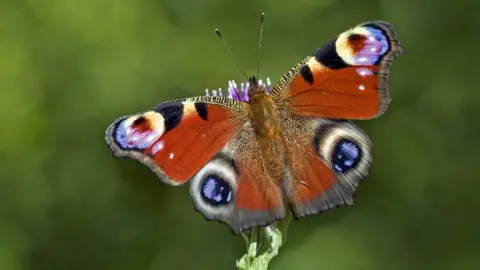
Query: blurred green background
point(68, 68)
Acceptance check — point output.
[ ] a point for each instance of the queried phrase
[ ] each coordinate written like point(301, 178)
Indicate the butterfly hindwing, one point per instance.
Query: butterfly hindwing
point(235, 188)
point(327, 160)
point(177, 138)
point(347, 78)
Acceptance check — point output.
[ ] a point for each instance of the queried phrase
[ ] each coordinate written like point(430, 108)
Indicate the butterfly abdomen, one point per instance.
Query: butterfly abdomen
point(266, 124)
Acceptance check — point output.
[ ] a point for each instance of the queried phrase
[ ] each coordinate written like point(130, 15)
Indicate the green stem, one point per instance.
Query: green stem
point(263, 245)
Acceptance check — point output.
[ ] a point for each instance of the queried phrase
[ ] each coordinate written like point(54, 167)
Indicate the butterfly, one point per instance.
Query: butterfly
point(262, 150)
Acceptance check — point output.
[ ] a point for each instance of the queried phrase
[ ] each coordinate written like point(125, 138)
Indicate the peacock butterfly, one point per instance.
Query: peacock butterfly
point(260, 148)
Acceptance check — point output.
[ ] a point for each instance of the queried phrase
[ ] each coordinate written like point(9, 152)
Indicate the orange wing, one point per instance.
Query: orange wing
point(206, 140)
point(327, 160)
point(177, 138)
point(345, 79)
point(235, 188)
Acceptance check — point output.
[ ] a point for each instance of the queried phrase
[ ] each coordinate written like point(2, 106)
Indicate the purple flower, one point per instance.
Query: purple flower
point(240, 93)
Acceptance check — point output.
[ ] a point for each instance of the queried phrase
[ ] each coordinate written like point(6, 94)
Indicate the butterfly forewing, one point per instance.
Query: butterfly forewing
point(347, 78)
point(177, 138)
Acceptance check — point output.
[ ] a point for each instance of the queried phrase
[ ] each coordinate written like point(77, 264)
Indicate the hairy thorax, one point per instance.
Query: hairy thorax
point(266, 124)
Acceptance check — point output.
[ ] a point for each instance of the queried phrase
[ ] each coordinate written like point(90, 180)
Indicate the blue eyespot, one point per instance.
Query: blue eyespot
point(374, 47)
point(129, 137)
point(346, 155)
point(216, 191)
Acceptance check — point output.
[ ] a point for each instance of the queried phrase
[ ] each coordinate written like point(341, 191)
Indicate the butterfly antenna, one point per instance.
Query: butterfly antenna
point(262, 19)
point(219, 34)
